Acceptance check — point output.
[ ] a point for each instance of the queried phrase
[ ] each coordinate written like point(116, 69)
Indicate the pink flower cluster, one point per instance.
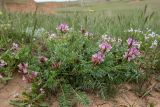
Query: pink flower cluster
point(105, 47)
point(133, 43)
point(64, 28)
point(23, 69)
point(54, 65)
point(98, 58)
point(133, 51)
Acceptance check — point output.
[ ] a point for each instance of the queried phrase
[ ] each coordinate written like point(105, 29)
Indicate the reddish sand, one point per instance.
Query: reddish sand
point(30, 6)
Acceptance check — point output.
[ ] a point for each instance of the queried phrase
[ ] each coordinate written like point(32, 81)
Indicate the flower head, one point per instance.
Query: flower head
point(98, 58)
point(132, 54)
point(64, 28)
point(52, 36)
point(23, 68)
point(154, 44)
point(30, 77)
point(152, 34)
point(56, 65)
point(88, 34)
point(43, 59)
point(119, 40)
point(34, 74)
point(133, 43)
point(42, 90)
point(106, 38)
point(15, 46)
point(2, 63)
point(105, 47)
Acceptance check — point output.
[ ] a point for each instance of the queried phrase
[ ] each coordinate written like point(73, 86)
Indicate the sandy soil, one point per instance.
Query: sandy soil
point(125, 98)
point(128, 98)
point(11, 90)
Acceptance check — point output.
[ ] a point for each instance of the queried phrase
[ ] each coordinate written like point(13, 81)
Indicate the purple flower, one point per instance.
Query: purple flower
point(43, 59)
point(2, 63)
point(98, 58)
point(34, 74)
point(132, 54)
point(29, 77)
point(23, 68)
point(131, 42)
point(64, 28)
point(105, 47)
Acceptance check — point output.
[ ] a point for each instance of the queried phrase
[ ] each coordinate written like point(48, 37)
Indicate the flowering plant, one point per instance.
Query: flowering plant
point(63, 28)
point(74, 58)
point(133, 51)
point(75, 62)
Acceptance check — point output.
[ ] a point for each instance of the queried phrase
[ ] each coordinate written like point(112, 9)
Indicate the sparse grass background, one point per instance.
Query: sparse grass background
point(115, 6)
point(102, 5)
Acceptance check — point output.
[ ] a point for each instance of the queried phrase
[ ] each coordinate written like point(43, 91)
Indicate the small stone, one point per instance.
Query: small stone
point(16, 95)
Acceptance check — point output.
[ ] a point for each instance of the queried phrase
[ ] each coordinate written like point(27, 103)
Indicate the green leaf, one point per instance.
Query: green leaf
point(43, 104)
point(65, 97)
point(82, 98)
point(18, 103)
